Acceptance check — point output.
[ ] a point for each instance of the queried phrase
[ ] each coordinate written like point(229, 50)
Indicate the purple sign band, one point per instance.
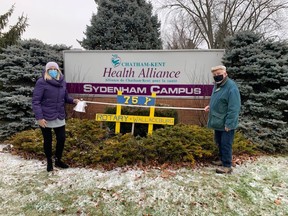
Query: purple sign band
point(140, 89)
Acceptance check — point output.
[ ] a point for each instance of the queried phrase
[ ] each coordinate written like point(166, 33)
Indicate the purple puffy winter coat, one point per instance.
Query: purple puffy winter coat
point(49, 98)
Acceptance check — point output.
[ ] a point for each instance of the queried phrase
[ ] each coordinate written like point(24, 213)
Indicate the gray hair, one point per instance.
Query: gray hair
point(219, 67)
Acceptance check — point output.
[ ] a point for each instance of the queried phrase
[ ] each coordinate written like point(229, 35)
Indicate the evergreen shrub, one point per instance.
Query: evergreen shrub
point(260, 68)
point(88, 145)
point(123, 25)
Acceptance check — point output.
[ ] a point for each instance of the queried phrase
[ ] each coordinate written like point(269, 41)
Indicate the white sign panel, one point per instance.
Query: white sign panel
point(179, 73)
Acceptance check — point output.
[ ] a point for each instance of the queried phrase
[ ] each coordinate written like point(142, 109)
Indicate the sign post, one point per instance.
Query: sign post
point(152, 112)
point(135, 100)
point(118, 113)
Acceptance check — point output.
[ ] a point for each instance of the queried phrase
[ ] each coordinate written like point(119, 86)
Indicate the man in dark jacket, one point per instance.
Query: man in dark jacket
point(48, 103)
point(224, 109)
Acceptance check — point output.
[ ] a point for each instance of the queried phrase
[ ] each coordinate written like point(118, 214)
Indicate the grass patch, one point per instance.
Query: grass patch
point(27, 189)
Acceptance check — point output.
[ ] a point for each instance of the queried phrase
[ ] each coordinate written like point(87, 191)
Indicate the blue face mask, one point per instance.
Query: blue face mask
point(53, 73)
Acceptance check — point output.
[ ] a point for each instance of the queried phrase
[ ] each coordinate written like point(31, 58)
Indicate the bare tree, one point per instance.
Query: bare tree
point(184, 34)
point(214, 20)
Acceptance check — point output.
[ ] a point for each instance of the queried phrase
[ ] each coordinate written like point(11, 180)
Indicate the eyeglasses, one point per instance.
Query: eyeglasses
point(51, 69)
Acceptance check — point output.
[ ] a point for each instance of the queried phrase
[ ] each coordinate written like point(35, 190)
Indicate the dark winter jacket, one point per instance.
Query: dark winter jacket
point(224, 106)
point(49, 98)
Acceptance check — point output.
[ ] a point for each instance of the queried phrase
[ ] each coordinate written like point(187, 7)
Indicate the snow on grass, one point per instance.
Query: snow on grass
point(254, 188)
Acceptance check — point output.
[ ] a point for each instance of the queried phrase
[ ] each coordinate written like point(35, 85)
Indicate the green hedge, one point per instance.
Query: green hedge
point(89, 145)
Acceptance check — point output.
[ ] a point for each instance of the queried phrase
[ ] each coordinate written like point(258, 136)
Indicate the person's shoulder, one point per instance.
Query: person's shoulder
point(232, 85)
point(231, 81)
point(40, 81)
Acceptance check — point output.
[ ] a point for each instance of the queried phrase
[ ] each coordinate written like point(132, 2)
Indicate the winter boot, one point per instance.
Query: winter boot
point(224, 170)
point(217, 163)
point(61, 164)
point(49, 165)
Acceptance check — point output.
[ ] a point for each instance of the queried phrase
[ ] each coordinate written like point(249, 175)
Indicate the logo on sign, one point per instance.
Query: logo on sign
point(116, 60)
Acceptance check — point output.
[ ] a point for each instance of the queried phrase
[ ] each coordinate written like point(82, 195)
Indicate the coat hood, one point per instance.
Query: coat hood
point(56, 82)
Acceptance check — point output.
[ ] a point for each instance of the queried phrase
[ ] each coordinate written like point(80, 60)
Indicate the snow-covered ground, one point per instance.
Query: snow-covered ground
point(254, 188)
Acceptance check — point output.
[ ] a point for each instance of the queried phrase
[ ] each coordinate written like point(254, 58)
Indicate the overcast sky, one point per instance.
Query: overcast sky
point(53, 21)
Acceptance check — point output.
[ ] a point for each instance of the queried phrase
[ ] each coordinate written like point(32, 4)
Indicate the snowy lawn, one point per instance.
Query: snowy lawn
point(254, 188)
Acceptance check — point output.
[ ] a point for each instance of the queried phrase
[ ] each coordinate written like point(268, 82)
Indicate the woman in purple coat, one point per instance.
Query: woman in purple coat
point(48, 103)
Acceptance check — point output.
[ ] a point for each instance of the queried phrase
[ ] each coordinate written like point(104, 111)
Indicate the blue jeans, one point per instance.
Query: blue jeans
point(224, 141)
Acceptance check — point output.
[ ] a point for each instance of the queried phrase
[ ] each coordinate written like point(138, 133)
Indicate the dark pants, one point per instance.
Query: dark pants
point(60, 140)
point(224, 141)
